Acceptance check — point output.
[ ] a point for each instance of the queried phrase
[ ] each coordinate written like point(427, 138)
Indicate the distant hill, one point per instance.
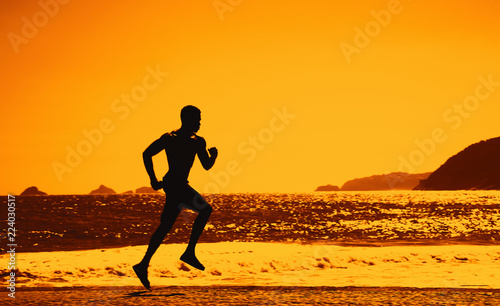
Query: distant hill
point(127, 192)
point(391, 181)
point(328, 188)
point(32, 191)
point(146, 190)
point(103, 190)
point(477, 167)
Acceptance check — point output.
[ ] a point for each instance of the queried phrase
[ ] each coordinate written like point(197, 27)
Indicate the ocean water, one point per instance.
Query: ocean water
point(84, 222)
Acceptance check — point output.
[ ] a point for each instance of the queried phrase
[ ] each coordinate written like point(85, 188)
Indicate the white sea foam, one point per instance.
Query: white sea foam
point(269, 264)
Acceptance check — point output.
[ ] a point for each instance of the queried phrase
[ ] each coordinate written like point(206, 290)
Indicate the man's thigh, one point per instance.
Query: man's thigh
point(191, 199)
point(173, 198)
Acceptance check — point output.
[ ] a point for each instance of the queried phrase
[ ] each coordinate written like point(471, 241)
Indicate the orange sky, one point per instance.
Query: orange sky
point(356, 113)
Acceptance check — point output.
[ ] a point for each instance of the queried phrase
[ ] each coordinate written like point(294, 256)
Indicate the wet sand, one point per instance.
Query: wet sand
point(248, 295)
point(268, 264)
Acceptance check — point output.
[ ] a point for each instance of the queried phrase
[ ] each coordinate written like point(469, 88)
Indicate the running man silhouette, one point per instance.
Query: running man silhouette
point(181, 147)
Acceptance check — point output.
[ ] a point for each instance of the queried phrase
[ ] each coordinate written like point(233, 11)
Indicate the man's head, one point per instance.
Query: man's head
point(191, 117)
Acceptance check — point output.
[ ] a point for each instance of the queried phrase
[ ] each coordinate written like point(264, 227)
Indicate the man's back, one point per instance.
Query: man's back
point(181, 151)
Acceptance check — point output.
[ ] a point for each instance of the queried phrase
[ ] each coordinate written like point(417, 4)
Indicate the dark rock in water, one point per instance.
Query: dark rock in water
point(477, 167)
point(391, 181)
point(328, 188)
point(32, 191)
point(103, 190)
point(146, 190)
point(127, 192)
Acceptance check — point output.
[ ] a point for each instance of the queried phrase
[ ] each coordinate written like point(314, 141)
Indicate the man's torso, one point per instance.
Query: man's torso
point(181, 151)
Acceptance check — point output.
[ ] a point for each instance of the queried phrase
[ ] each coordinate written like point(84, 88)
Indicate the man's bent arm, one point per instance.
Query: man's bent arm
point(147, 157)
point(207, 161)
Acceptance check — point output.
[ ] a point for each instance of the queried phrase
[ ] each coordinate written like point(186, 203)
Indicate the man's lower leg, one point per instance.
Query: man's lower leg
point(198, 227)
point(189, 256)
point(154, 243)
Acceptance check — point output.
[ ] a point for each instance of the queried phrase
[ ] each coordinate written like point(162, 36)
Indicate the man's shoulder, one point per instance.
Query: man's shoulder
point(167, 136)
point(198, 137)
point(173, 134)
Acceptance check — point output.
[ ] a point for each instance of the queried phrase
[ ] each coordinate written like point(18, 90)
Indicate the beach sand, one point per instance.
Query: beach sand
point(289, 271)
point(270, 264)
point(237, 295)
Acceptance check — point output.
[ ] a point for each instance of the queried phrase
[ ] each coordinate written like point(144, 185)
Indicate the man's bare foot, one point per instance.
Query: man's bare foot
point(191, 260)
point(142, 274)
